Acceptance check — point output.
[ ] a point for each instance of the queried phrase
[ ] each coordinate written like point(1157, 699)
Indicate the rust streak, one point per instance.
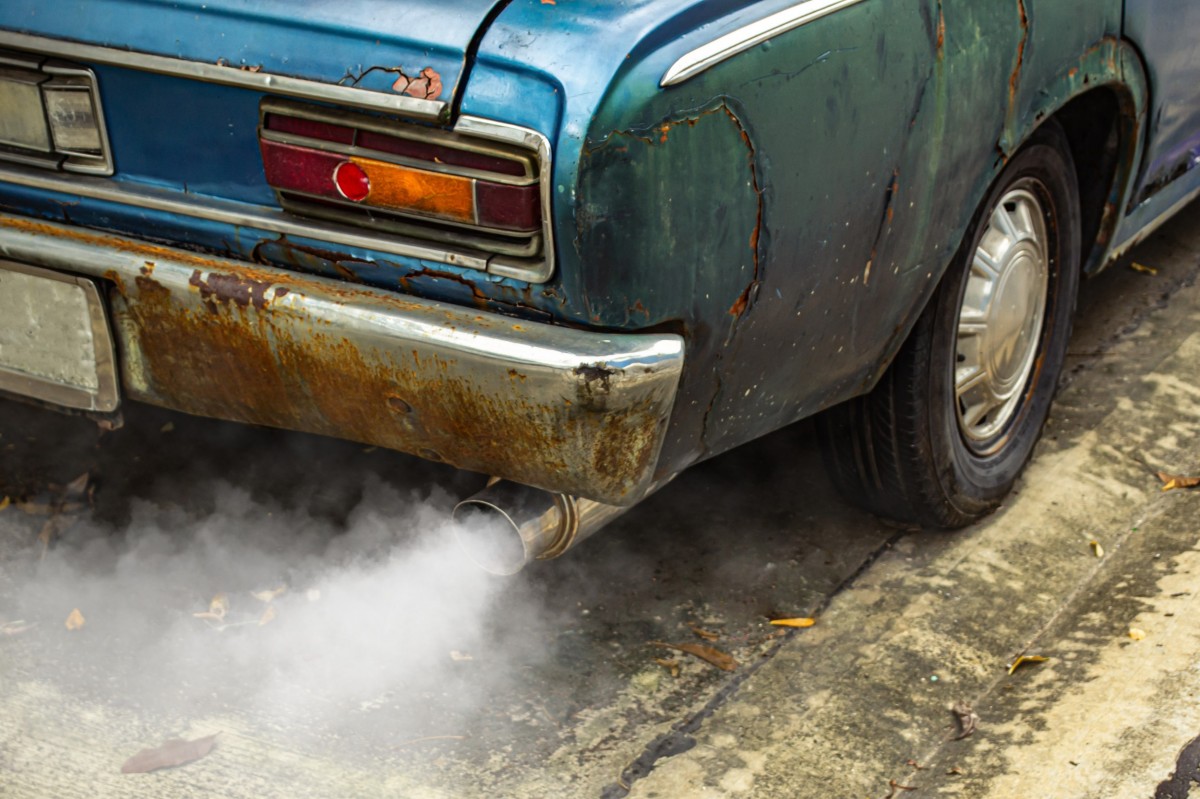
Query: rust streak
point(746, 298)
point(941, 32)
point(1014, 79)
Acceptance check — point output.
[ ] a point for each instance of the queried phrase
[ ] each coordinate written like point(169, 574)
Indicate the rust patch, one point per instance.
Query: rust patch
point(236, 360)
point(220, 288)
point(480, 299)
point(154, 252)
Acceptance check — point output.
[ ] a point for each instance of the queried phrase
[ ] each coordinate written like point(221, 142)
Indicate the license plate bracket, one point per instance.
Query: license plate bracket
point(56, 344)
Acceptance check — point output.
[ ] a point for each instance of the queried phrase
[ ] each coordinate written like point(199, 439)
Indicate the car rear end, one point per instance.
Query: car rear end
point(281, 217)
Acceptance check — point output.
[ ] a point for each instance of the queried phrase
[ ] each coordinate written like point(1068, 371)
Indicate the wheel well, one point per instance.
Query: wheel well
point(1092, 123)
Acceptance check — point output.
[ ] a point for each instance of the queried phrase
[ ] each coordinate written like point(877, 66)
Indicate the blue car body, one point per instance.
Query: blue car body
point(732, 239)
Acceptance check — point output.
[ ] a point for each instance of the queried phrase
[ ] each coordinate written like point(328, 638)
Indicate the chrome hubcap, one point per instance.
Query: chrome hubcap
point(1000, 321)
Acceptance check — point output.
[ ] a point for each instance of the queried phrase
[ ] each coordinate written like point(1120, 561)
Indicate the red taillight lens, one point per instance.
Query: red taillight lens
point(435, 153)
point(310, 128)
point(399, 188)
point(509, 207)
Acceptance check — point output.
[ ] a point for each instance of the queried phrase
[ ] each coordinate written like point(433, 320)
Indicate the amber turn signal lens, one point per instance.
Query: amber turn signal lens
point(402, 188)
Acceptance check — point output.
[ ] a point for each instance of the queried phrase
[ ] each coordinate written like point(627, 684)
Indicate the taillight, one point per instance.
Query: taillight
point(50, 116)
point(409, 179)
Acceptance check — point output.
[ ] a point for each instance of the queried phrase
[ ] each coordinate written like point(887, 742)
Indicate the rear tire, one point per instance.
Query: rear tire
point(948, 429)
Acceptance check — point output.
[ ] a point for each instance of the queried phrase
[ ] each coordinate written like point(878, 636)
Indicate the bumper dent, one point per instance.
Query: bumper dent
point(576, 412)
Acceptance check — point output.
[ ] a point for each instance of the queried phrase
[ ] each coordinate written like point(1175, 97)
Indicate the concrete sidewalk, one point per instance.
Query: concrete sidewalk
point(860, 705)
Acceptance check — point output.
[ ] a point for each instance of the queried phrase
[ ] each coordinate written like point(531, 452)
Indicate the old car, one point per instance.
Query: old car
point(579, 246)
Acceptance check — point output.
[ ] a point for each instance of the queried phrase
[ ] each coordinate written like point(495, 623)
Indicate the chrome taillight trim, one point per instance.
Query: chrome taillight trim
point(413, 107)
point(526, 142)
point(538, 143)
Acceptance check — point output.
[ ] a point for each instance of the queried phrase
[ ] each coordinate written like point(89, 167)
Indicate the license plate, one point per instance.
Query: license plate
point(55, 342)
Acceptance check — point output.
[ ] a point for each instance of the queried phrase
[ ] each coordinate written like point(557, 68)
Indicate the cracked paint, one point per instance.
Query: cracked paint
point(425, 85)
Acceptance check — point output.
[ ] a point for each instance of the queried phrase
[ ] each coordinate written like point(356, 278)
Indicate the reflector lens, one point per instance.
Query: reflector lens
point(352, 183)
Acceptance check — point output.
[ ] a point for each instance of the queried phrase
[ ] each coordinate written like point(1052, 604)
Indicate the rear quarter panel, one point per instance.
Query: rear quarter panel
point(790, 209)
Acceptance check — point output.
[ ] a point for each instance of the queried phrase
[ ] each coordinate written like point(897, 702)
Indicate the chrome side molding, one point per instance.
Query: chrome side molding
point(413, 107)
point(738, 41)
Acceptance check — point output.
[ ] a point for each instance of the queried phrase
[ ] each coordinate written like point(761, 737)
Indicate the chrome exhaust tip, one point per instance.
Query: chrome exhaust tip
point(508, 525)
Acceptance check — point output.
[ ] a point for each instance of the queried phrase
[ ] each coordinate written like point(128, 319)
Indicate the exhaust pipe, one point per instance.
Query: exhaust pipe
point(511, 525)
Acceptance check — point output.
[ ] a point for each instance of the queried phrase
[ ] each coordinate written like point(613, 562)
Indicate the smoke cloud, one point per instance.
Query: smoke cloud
point(267, 606)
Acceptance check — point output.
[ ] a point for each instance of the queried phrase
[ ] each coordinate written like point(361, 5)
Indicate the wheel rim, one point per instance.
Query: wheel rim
point(1000, 319)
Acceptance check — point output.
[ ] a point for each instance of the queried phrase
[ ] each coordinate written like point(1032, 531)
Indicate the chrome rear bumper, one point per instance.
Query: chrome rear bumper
point(577, 412)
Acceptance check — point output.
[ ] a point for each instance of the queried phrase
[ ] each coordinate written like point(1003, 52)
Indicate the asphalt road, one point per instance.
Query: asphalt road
point(387, 666)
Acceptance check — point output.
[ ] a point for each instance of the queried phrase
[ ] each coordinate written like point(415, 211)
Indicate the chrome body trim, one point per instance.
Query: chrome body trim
point(414, 107)
point(573, 411)
point(81, 163)
point(1153, 225)
point(711, 53)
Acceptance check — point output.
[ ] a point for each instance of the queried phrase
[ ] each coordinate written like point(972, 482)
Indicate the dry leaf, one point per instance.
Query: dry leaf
point(77, 487)
point(217, 609)
point(75, 620)
point(716, 657)
point(1095, 545)
point(967, 719)
point(955, 771)
point(1171, 481)
point(801, 622)
point(1136, 634)
point(707, 635)
point(4, 502)
point(267, 616)
point(167, 428)
point(267, 596)
point(174, 752)
point(1023, 659)
point(1145, 270)
point(16, 627)
point(895, 786)
point(455, 655)
point(670, 664)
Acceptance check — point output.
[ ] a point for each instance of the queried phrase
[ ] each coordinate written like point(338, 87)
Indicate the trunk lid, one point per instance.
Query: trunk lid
point(412, 49)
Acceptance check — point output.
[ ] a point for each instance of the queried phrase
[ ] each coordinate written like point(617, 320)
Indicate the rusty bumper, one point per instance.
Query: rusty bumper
point(579, 412)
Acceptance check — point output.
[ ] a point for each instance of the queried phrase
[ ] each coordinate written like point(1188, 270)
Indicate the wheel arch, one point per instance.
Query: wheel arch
point(1101, 103)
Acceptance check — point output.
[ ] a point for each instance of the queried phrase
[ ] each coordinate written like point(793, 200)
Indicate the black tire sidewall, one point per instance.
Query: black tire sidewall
point(973, 484)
